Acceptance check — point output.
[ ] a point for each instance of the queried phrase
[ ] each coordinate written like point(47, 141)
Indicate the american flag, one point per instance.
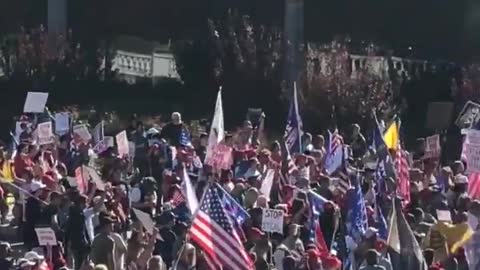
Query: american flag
point(474, 185)
point(212, 230)
point(316, 208)
point(334, 157)
point(177, 197)
point(294, 126)
point(401, 164)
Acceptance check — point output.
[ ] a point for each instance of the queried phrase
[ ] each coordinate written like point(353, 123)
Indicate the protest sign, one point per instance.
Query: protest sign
point(131, 149)
point(81, 134)
point(221, 157)
point(44, 133)
point(100, 185)
point(46, 237)
point(35, 102)
point(81, 175)
point(444, 215)
point(272, 220)
point(107, 142)
point(97, 133)
point(62, 123)
point(469, 116)
point(122, 143)
point(471, 150)
point(432, 147)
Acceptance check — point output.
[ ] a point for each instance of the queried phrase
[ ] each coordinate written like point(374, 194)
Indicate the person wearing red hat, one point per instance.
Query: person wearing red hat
point(330, 262)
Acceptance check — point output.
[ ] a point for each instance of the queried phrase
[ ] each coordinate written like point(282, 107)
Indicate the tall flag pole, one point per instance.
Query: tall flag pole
point(294, 128)
point(217, 130)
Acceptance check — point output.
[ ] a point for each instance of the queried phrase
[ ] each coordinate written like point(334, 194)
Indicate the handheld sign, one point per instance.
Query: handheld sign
point(46, 237)
point(44, 133)
point(62, 123)
point(471, 150)
point(272, 220)
point(221, 158)
point(81, 134)
point(122, 143)
point(35, 102)
point(432, 148)
point(444, 215)
point(469, 116)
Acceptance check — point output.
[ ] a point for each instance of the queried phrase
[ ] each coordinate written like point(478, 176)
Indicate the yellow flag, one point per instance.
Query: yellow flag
point(391, 136)
point(456, 235)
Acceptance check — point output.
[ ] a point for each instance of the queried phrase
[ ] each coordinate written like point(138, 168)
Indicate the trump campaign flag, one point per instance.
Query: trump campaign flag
point(294, 128)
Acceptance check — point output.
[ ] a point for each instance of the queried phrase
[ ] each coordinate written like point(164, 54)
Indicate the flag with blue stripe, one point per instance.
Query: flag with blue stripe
point(317, 203)
point(294, 128)
point(380, 220)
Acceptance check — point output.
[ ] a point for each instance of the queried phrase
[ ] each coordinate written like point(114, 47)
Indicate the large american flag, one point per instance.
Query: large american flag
point(212, 230)
point(401, 164)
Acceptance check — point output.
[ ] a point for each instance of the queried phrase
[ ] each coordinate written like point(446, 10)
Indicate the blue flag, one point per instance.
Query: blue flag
point(294, 128)
point(381, 221)
point(232, 207)
point(316, 207)
point(357, 221)
point(185, 138)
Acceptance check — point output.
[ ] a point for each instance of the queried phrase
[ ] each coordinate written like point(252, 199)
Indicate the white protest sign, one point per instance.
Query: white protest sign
point(432, 147)
point(62, 123)
point(44, 133)
point(122, 143)
point(131, 149)
point(35, 102)
point(444, 215)
point(272, 220)
point(46, 237)
point(107, 142)
point(81, 134)
point(471, 149)
point(221, 157)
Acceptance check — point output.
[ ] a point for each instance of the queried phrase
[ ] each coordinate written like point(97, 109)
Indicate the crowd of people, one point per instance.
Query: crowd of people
point(348, 202)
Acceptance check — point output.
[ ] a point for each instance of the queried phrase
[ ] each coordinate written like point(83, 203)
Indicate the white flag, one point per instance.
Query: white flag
point(267, 183)
point(217, 131)
point(192, 200)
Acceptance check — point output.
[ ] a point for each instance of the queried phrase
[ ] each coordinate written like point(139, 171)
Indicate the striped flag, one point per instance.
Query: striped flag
point(294, 128)
point(177, 197)
point(334, 157)
point(401, 164)
point(474, 185)
point(316, 209)
point(213, 232)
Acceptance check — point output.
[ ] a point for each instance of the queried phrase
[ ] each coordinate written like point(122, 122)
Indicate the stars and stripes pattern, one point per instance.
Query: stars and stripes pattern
point(316, 208)
point(474, 185)
point(334, 158)
point(213, 232)
point(177, 198)
point(401, 164)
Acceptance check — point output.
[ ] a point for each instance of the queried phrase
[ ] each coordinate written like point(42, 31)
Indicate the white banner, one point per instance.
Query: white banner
point(81, 134)
point(272, 220)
